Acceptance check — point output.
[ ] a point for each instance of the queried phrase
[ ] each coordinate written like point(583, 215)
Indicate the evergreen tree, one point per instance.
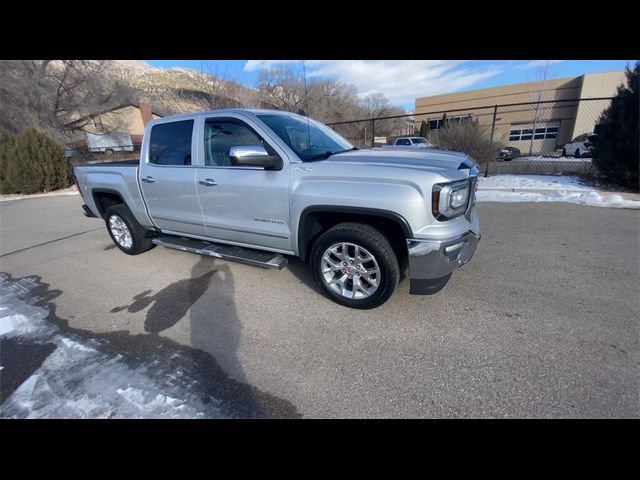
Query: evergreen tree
point(424, 128)
point(32, 163)
point(7, 152)
point(444, 123)
point(616, 152)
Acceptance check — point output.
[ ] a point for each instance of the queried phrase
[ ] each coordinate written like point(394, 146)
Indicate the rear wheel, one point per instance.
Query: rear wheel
point(355, 265)
point(577, 153)
point(564, 152)
point(125, 231)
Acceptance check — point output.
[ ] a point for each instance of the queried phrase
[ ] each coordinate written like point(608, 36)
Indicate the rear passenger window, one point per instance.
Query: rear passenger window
point(170, 143)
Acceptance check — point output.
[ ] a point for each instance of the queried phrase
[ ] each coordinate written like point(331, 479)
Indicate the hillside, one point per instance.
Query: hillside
point(180, 90)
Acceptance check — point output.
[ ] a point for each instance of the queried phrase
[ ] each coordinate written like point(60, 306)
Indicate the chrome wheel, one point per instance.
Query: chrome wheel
point(350, 270)
point(120, 232)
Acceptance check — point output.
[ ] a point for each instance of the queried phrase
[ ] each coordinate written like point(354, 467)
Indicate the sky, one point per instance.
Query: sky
point(402, 81)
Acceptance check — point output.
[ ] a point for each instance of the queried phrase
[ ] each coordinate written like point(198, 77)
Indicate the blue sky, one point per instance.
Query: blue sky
point(401, 80)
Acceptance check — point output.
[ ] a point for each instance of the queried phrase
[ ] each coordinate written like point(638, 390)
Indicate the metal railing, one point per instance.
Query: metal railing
point(538, 135)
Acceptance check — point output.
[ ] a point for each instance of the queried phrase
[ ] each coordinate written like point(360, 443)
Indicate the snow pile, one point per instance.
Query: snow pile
point(79, 381)
point(18, 196)
point(593, 199)
point(534, 182)
point(555, 188)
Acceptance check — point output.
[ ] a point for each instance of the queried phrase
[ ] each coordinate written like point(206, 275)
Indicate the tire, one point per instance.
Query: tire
point(577, 153)
point(138, 241)
point(564, 152)
point(371, 243)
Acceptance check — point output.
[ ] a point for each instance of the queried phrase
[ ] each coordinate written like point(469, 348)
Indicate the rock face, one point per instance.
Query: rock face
point(181, 90)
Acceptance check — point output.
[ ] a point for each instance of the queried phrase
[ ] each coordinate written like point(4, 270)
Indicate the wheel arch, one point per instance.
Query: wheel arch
point(314, 220)
point(104, 198)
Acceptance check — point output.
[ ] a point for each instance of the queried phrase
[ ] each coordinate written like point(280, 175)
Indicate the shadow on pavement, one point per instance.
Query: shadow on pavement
point(214, 326)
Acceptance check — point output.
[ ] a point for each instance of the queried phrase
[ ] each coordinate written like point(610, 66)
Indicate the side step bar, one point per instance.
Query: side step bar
point(226, 252)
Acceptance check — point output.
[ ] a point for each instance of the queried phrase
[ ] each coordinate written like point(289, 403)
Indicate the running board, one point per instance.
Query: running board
point(226, 252)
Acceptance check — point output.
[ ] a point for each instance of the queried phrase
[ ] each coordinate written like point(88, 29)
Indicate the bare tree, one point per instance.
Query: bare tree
point(282, 87)
point(55, 94)
point(212, 81)
point(542, 74)
point(376, 105)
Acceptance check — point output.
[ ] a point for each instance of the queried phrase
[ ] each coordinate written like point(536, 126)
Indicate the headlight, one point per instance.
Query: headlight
point(450, 200)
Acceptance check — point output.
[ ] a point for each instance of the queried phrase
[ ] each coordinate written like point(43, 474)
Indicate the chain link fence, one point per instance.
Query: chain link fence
point(544, 137)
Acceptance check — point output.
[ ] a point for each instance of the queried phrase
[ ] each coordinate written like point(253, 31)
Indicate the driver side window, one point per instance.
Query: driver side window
point(220, 136)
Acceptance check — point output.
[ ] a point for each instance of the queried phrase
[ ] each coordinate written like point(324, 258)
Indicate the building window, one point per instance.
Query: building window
point(544, 133)
point(438, 124)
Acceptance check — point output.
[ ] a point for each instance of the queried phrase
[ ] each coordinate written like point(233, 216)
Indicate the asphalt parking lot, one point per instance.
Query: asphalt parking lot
point(543, 322)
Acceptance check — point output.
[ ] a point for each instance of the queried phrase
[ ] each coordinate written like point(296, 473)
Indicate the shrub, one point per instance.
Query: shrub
point(616, 153)
point(424, 129)
point(32, 163)
point(467, 137)
point(7, 152)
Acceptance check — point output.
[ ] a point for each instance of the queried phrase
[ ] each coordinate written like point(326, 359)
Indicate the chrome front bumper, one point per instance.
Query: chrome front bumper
point(431, 262)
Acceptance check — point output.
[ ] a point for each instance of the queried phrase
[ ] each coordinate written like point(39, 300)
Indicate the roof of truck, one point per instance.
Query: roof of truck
point(254, 111)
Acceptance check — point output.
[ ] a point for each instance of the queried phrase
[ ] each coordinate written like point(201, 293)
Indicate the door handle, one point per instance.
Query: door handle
point(208, 182)
point(149, 180)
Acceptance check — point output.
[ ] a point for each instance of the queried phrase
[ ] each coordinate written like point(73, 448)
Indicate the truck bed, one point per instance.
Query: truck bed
point(112, 178)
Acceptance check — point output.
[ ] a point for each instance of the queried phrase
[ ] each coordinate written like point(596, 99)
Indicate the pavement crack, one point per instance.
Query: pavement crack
point(49, 242)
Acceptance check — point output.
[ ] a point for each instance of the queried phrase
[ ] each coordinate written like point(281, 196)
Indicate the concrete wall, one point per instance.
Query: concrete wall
point(595, 85)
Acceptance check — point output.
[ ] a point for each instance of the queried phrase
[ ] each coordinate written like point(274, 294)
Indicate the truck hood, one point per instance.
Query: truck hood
point(421, 159)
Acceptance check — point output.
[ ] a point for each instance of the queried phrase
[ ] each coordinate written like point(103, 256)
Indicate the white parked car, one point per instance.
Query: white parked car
point(581, 146)
point(410, 142)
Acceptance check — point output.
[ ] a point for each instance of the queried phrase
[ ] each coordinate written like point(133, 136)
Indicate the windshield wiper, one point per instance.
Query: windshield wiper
point(327, 154)
point(320, 156)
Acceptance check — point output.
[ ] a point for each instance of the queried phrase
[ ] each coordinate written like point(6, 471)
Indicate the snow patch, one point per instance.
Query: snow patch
point(582, 198)
point(78, 380)
point(18, 196)
point(555, 188)
point(534, 182)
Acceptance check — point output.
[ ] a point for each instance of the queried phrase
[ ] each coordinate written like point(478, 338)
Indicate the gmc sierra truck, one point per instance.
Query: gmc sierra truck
point(257, 185)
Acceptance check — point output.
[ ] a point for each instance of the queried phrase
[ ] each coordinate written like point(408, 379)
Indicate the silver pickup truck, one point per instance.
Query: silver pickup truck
point(256, 185)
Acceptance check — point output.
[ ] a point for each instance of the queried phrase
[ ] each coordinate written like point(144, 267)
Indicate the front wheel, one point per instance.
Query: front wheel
point(355, 266)
point(125, 231)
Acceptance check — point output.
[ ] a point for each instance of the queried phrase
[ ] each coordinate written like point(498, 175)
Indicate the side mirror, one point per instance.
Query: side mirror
point(254, 156)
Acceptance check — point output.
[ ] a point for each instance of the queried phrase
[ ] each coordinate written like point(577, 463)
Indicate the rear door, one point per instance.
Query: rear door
point(242, 204)
point(167, 178)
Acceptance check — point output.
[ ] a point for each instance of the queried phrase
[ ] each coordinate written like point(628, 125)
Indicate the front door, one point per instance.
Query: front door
point(246, 205)
point(168, 179)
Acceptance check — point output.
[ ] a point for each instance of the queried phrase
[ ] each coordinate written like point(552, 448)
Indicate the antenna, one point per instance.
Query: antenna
point(306, 104)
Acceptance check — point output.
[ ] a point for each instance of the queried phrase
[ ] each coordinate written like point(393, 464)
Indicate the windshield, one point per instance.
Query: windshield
point(419, 140)
point(308, 138)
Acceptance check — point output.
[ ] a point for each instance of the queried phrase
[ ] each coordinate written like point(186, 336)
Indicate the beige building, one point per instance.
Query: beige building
point(129, 119)
point(541, 127)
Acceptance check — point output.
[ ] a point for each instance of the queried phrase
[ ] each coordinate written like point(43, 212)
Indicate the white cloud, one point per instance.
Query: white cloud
point(401, 81)
point(530, 65)
point(253, 65)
